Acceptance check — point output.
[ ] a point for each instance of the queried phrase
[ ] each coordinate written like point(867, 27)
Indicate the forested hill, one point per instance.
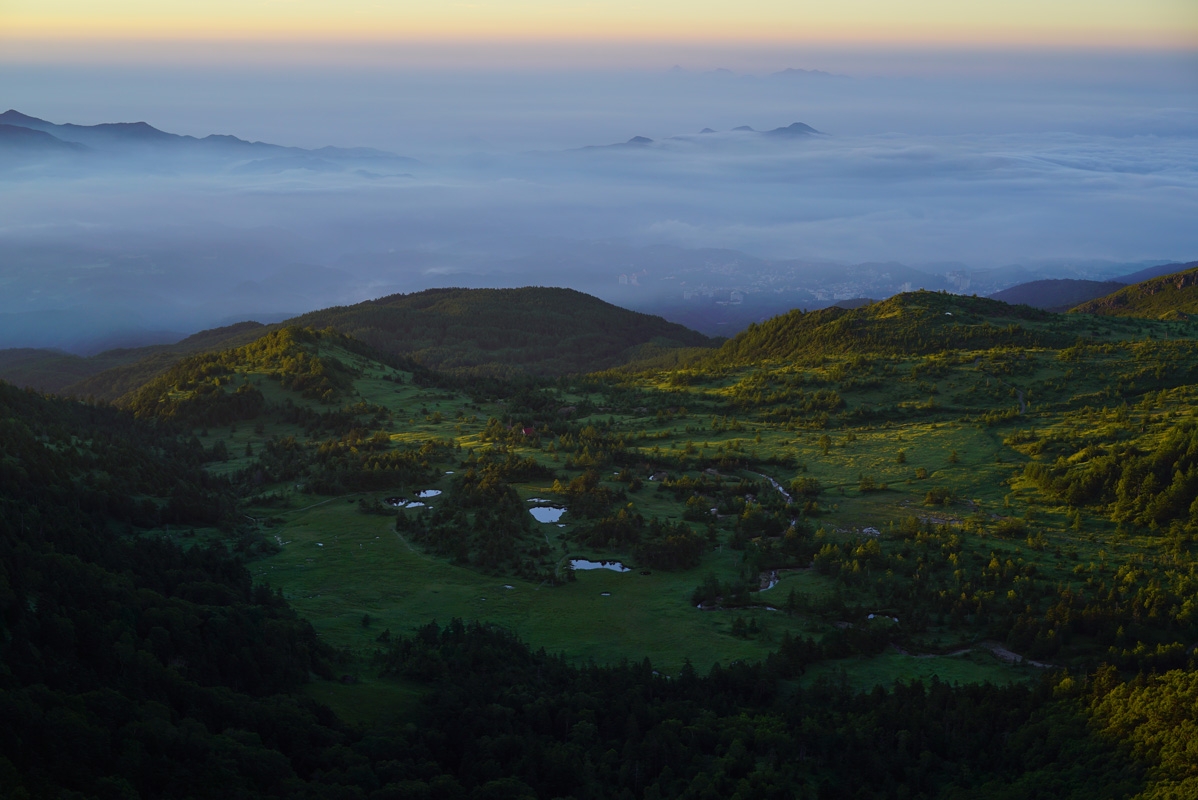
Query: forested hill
point(914, 322)
point(533, 330)
point(112, 373)
point(1173, 296)
point(537, 330)
point(135, 665)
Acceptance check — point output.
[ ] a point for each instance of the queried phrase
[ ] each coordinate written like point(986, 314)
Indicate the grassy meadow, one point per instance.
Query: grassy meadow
point(902, 469)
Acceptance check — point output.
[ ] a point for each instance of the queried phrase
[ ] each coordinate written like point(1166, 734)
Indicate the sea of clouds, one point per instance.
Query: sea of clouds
point(1081, 171)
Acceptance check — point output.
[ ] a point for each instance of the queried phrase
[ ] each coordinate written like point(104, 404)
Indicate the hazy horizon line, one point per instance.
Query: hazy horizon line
point(564, 53)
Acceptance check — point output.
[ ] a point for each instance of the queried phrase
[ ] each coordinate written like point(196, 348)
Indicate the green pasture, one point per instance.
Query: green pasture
point(907, 426)
point(337, 566)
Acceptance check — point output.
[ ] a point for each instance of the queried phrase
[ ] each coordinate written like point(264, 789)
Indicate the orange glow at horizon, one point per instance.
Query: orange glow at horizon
point(1069, 23)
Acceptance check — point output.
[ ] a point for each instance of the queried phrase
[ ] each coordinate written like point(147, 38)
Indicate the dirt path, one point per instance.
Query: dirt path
point(408, 545)
point(994, 648)
point(314, 505)
point(1004, 654)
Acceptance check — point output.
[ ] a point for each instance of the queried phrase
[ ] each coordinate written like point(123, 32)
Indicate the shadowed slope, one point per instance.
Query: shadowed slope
point(538, 331)
point(542, 331)
point(1056, 295)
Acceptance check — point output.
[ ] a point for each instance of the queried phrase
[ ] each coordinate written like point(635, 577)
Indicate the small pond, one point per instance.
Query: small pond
point(547, 513)
point(403, 502)
point(614, 566)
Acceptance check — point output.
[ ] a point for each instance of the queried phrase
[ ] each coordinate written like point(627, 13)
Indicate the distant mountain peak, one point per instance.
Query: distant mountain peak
point(707, 130)
point(226, 138)
point(794, 129)
point(132, 130)
point(14, 117)
point(791, 72)
point(639, 140)
point(1057, 294)
point(744, 128)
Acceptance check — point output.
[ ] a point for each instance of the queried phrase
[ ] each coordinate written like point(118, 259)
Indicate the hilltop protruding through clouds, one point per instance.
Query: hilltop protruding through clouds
point(740, 134)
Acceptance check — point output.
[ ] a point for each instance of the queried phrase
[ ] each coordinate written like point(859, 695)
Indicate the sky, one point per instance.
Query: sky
point(1117, 23)
point(1028, 139)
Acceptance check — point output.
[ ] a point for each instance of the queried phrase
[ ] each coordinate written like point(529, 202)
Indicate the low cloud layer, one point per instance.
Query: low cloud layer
point(1076, 179)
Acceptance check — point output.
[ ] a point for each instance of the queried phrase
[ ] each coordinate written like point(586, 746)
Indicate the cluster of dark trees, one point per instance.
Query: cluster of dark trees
point(1149, 487)
point(331, 421)
point(129, 665)
point(102, 463)
point(588, 498)
point(192, 392)
point(782, 398)
point(671, 545)
point(1138, 616)
point(481, 520)
point(505, 721)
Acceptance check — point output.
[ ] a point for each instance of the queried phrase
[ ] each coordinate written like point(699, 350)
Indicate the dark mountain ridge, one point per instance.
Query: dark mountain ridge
point(1062, 294)
point(533, 330)
point(1059, 294)
point(110, 374)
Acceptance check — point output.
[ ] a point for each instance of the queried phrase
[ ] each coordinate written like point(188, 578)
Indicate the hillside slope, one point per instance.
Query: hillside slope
point(535, 330)
point(913, 322)
point(1173, 296)
point(123, 369)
